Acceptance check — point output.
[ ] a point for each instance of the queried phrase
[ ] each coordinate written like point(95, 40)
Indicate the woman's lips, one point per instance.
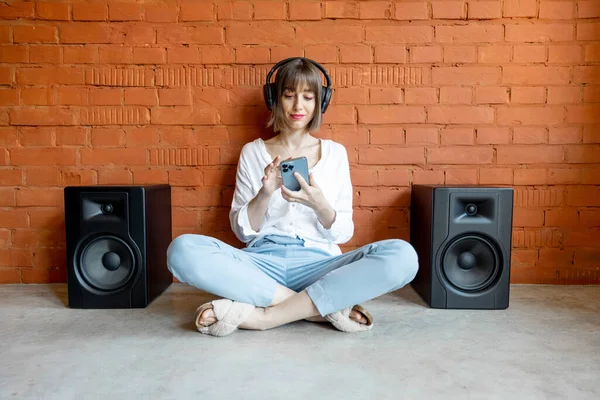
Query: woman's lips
point(297, 116)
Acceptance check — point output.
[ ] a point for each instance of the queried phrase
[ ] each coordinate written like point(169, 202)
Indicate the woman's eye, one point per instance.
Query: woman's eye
point(308, 98)
point(287, 96)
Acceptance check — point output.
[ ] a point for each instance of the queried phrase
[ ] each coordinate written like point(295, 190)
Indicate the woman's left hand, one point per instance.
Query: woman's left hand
point(308, 195)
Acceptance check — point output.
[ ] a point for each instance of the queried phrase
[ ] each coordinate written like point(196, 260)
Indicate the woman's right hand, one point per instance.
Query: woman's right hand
point(271, 180)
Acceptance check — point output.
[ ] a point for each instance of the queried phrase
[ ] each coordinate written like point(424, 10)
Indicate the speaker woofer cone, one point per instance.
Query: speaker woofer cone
point(471, 263)
point(106, 263)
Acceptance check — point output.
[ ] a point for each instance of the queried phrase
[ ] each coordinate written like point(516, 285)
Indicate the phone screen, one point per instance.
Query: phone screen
point(288, 167)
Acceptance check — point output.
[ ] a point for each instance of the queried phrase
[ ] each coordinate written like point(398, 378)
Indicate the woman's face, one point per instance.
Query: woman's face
point(298, 106)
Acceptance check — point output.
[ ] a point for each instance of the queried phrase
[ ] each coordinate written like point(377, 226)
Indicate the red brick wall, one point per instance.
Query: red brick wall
point(501, 92)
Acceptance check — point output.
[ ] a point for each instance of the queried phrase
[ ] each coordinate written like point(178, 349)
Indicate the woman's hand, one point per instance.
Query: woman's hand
point(311, 196)
point(272, 178)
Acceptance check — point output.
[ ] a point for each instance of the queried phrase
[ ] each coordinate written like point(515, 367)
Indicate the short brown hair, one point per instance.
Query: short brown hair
point(290, 76)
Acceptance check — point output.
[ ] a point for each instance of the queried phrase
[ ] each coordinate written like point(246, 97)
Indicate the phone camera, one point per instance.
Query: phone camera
point(287, 167)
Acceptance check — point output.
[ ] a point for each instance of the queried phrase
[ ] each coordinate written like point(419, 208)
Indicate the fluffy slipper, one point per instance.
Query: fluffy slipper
point(342, 321)
point(230, 314)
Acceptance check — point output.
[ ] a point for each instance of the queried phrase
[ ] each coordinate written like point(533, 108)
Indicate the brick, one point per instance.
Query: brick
point(561, 216)
point(460, 115)
point(425, 54)
point(192, 35)
point(492, 136)
point(326, 53)
point(567, 54)
point(105, 96)
point(460, 54)
point(10, 177)
point(399, 34)
point(392, 177)
point(496, 176)
point(421, 96)
point(31, 137)
point(588, 31)
point(530, 135)
point(43, 116)
point(79, 54)
point(469, 33)
point(115, 115)
point(529, 54)
point(390, 54)
point(71, 136)
point(527, 95)
point(7, 197)
point(340, 114)
point(6, 75)
point(140, 96)
point(136, 33)
point(267, 32)
point(9, 97)
point(586, 74)
point(460, 155)
point(422, 136)
point(583, 114)
point(528, 218)
point(588, 9)
point(411, 10)
point(386, 135)
point(217, 55)
point(115, 55)
point(183, 115)
point(282, 52)
point(184, 55)
point(529, 154)
point(117, 156)
point(449, 9)
point(457, 136)
point(560, 135)
point(556, 9)
point(125, 12)
point(108, 137)
point(485, 10)
point(341, 9)
point(90, 12)
point(466, 75)
point(37, 96)
point(390, 155)
point(44, 54)
point(427, 177)
point(456, 95)
point(211, 96)
point(197, 11)
point(592, 53)
point(20, 9)
point(234, 11)
point(355, 54)
point(564, 94)
point(13, 54)
point(304, 10)
point(390, 114)
point(90, 32)
point(174, 97)
point(375, 10)
point(269, 10)
point(161, 12)
point(138, 137)
point(72, 96)
point(540, 32)
point(42, 156)
point(583, 154)
point(461, 177)
point(585, 196)
point(497, 54)
point(531, 115)
point(591, 94)
point(535, 75)
point(41, 176)
point(252, 55)
point(385, 96)
point(520, 8)
point(491, 95)
point(149, 55)
point(53, 11)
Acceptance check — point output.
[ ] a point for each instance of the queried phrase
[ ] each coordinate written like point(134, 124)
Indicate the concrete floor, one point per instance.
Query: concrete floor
point(545, 346)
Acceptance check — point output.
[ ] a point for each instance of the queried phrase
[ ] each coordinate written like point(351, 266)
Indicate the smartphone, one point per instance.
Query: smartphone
point(288, 167)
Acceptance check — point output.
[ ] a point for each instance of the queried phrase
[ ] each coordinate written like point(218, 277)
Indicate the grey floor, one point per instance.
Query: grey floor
point(545, 346)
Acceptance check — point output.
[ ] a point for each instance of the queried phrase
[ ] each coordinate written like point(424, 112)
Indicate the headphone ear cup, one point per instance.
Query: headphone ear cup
point(270, 94)
point(326, 93)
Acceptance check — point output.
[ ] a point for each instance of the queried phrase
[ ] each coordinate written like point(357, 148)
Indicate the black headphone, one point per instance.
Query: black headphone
point(270, 88)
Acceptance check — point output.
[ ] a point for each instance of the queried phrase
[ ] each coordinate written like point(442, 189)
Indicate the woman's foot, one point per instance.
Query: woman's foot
point(253, 321)
point(208, 318)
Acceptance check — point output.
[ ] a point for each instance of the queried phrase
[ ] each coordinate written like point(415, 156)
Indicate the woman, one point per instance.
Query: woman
point(292, 267)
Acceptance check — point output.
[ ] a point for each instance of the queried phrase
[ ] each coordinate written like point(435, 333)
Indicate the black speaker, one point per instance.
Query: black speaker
point(463, 236)
point(117, 239)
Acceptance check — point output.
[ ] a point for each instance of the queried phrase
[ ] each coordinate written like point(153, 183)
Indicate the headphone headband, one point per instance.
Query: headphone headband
point(270, 89)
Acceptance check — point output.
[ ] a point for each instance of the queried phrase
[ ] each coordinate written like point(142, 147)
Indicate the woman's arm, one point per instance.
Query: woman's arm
point(258, 208)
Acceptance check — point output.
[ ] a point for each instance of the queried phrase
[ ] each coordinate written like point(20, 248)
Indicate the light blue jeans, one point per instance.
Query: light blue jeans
point(251, 274)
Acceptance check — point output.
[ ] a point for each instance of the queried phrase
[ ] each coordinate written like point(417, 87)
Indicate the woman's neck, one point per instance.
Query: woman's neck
point(294, 139)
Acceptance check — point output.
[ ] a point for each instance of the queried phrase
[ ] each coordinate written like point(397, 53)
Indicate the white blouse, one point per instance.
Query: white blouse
point(331, 174)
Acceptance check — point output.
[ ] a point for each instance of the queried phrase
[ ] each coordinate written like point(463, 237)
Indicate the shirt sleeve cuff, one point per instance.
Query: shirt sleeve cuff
point(337, 229)
point(243, 222)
